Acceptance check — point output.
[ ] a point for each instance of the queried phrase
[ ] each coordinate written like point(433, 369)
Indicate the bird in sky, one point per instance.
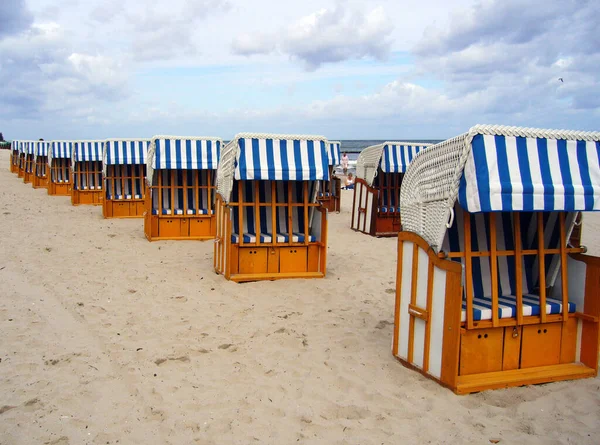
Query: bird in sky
point(561, 79)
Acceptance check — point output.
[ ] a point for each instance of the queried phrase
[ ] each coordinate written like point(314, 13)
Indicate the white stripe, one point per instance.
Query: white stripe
point(304, 158)
point(594, 169)
point(277, 159)
point(471, 179)
point(249, 159)
point(575, 174)
point(559, 189)
point(536, 174)
point(264, 164)
point(515, 172)
point(489, 144)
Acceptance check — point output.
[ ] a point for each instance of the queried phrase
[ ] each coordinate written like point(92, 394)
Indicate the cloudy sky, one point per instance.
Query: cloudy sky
point(347, 69)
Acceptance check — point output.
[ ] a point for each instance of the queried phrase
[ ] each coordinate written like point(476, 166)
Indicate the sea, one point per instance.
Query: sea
point(354, 147)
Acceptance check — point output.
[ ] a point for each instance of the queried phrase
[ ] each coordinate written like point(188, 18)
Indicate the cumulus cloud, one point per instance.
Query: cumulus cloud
point(327, 36)
point(165, 30)
point(512, 55)
point(14, 17)
point(39, 74)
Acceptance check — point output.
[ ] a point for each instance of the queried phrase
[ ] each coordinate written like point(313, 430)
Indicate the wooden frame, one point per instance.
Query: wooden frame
point(131, 181)
point(28, 169)
point(475, 355)
point(59, 180)
point(14, 161)
point(368, 201)
point(21, 171)
point(40, 174)
point(188, 225)
point(330, 193)
point(269, 259)
point(87, 183)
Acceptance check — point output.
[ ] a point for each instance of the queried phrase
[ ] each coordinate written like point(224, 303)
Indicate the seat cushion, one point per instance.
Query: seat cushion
point(267, 238)
point(507, 307)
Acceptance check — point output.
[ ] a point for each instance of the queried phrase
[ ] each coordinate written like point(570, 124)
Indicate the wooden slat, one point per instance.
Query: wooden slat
point(257, 213)
point(563, 267)
point(274, 211)
point(398, 296)
point(518, 266)
point(290, 210)
point(241, 188)
point(494, 267)
point(305, 202)
point(413, 301)
point(542, 265)
point(427, 315)
point(468, 269)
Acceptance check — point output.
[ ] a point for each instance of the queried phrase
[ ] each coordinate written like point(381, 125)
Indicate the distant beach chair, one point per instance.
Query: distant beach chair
point(59, 162)
point(23, 146)
point(14, 156)
point(489, 294)
point(270, 224)
point(86, 166)
point(28, 161)
point(330, 191)
point(379, 173)
point(181, 176)
point(40, 167)
point(125, 177)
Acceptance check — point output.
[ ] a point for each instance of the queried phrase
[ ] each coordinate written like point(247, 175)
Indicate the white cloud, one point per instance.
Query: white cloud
point(327, 36)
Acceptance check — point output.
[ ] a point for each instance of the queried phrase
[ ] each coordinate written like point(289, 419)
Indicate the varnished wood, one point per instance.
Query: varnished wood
point(563, 267)
point(518, 266)
point(398, 292)
point(427, 316)
point(494, 268)
point(413, 301)
point(542, 265)
point(468, 269)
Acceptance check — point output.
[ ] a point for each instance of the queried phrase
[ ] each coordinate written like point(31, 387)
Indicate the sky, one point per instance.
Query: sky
point(377, 69)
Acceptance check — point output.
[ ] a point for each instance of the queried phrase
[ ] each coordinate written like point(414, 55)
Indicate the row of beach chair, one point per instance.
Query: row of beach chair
point(490, 292)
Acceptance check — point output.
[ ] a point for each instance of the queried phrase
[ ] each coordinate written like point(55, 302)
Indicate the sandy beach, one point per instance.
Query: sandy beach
point(107, 338)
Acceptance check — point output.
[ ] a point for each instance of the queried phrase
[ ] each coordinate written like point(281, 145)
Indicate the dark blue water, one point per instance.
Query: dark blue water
point(353, 148)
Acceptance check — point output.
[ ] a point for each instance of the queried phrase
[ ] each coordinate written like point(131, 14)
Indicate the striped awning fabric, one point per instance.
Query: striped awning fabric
point(62, 149)
point(281, 157)
point(520, 173)
point(41, 148)
point(87, 151)
point(125, 151)
point(183, 153)
point(15, 145)
point(334, 152)
point(397, 157)
point(29, 147)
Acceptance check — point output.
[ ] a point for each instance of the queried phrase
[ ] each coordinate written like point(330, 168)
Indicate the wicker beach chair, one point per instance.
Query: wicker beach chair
point(270, 224)
point(14, 156)
point(40, 165)
point(28, 161)
point(59, 162)
point(124, 177)
point(86, 166)
point(379, 173)
point(489, 292)
point(330, 191)
point(181, 177)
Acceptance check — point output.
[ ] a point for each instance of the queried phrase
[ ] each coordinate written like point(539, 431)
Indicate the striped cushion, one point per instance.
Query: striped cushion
point(482, 307)
point(389, 209)
point(267, 238)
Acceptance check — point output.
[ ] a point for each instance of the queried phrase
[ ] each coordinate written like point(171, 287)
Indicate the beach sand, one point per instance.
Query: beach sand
point(107, 338)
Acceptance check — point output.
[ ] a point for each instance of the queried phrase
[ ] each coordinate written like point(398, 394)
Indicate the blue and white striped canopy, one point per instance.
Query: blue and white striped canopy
point(62, 149)
point(505, 173)
point(333, 152)
point(396, 158)
point(15, 145)
point(87, 151)
point(41, 148)
point(29, 147)
point(171, 152)
point(287, 158)
point(125, 151)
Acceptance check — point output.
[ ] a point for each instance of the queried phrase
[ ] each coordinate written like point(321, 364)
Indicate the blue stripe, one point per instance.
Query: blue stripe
point(542, 145)
point(298, 160)
point(178, 154)
point(209, 156)
point(263, 210)
point(483, 174)
point(242, 158)
point(256, 159)
point(476, 266)
point(410, 153)
point(325, 167)
point(188, 154)
point(270, 159)
point(312, 168)
point(397, 167)
point(285, 174)
point(403, 158)
point(503, 170)
point(524, 168)
point(565, 172)
point(584, 173)
point(509, 244)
